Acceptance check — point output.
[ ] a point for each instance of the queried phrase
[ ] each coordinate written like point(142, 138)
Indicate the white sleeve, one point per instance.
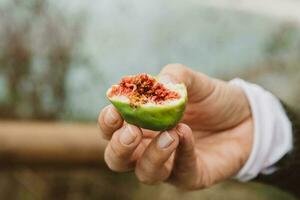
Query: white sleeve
point(272, 131)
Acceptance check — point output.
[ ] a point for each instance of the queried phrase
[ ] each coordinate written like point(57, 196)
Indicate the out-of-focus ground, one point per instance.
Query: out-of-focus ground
point(69, 166)
point(97, 183)
point(57, 58)
point(63, 170)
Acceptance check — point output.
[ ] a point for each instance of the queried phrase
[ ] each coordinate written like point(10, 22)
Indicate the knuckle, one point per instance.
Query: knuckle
point(112, 164)
point(115, 168)
point(144, 173)
point(109, 162)
point(102, 113)
point(104, 135)
point(118, 152)
point(101, 125)
point(176, 67)
point(152, 159)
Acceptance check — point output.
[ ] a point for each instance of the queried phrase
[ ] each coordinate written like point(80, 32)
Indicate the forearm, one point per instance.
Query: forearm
point(287, 177)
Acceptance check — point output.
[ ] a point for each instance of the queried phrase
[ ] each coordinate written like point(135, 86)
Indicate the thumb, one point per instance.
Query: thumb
point(198, 85)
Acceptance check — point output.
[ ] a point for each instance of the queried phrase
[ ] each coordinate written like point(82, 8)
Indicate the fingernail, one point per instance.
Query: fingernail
point(164, 140)
point(165, 79)
point(127, 136)
point(111, 117)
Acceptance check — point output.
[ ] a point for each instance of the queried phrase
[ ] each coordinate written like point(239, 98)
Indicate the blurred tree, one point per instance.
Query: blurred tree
point(36, 50)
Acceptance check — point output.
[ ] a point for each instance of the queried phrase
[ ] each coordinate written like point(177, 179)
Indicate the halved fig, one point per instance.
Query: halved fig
point(143, 101)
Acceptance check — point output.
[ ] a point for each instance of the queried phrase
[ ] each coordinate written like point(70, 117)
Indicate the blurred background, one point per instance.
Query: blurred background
point(57, 58)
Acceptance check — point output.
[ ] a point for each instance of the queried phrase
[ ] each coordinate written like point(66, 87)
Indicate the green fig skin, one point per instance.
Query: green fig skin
point(156, 118)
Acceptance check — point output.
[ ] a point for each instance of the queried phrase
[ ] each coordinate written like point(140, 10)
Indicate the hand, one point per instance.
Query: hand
point(211, 144)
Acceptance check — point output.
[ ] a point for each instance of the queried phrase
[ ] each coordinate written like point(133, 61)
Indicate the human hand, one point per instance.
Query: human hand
point(211, 144)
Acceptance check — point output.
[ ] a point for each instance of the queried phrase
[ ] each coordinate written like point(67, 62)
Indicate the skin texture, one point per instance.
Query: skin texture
point(211, 144)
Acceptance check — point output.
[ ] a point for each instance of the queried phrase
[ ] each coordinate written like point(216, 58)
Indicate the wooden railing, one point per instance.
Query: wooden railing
point(50, 144)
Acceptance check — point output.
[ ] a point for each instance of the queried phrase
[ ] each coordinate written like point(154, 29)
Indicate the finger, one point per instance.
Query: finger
point(185, 166)
point(153, 166)
point(119, 151)
point(198, 85)
point(109, 121)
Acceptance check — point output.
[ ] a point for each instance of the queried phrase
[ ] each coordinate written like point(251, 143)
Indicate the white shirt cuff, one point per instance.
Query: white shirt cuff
point(272, 131)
